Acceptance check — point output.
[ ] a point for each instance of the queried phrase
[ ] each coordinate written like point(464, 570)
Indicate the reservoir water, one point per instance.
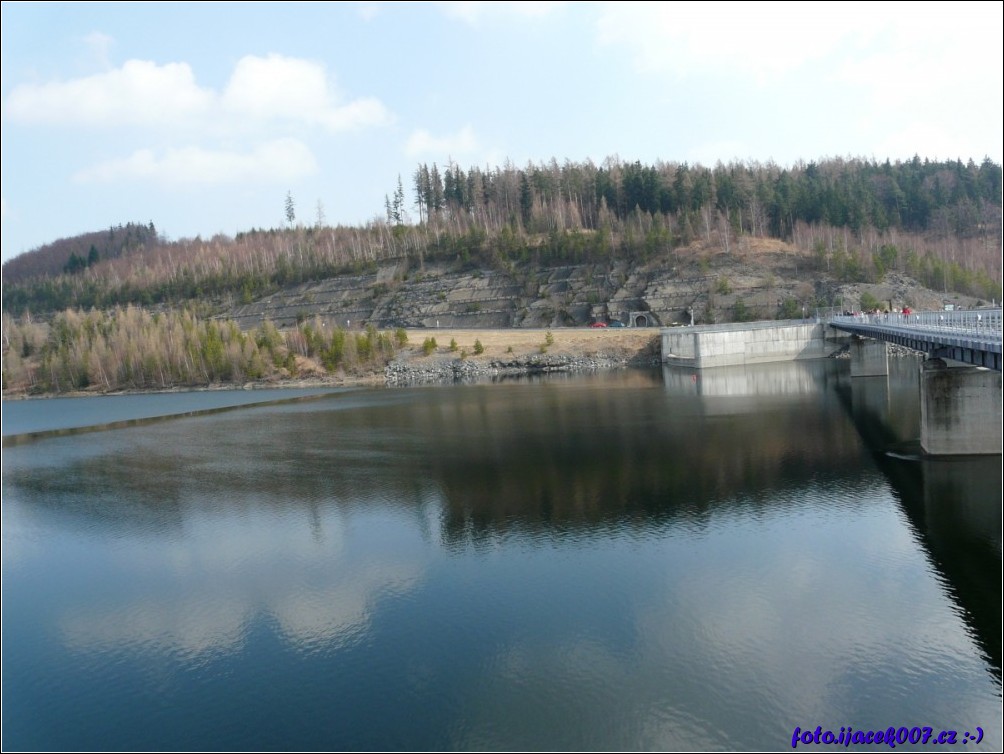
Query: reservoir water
point(632, 560)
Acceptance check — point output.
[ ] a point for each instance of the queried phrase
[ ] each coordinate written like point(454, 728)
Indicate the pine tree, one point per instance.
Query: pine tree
point(436, 190)
point(422, 193)
point(397, 208)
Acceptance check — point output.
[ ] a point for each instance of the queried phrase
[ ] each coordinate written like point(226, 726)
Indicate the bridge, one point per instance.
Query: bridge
point(970, 336)
point(960, 407)
point(961, 389)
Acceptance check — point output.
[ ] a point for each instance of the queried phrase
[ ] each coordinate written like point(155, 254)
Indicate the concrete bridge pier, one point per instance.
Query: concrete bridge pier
point(871, 398)
point(960, 410)
point(869, 358)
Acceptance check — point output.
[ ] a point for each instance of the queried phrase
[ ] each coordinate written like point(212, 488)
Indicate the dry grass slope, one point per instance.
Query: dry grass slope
point(621, 342)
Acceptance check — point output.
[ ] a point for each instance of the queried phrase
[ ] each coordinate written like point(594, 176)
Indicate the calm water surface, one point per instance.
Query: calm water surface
point(26, 416)
point(639, 560)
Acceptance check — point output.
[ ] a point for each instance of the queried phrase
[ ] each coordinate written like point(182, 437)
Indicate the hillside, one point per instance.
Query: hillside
point(551, 243)
point(550, 247)
point(73, 255)
point(357, 327)
point(754, 278)
point(758, 279)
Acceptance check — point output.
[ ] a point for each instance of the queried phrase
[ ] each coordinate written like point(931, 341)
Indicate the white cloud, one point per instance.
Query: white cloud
point(278, 160)
point(323, 598)
point(264, 99)
point(99, 46)
point(932, 73)
point(205, 621)
point(757, 39)
point(334, 612)
point(367, 11)
point(923, 59)
point(138, 93)
point(933, 42)
point(360, 113)
point(293, 89)
point(186, 626)
point(262, 91)
point(276, 86)
point(421, 142)
point(474, 13)
point(928, 139)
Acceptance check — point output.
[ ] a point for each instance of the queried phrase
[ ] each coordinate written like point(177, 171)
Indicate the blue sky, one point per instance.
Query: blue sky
point(201, 117)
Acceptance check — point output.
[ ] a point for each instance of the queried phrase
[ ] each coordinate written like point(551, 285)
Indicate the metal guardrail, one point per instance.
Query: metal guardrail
point(976, 323)
point(972, 336)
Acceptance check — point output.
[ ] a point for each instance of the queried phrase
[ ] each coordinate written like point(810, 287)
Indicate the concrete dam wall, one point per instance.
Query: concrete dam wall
point(746, 343)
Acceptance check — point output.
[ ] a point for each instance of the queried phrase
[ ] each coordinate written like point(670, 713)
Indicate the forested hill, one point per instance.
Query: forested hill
point(71, 255)
point(937, 221)
point(950, 198)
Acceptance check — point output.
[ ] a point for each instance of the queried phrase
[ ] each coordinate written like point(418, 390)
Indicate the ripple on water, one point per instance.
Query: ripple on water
point(541, 568)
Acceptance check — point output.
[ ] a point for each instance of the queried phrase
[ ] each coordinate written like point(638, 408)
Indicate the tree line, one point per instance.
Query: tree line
point(917, 196)
point(77, 253)
point(938, 221)
point(132, 348)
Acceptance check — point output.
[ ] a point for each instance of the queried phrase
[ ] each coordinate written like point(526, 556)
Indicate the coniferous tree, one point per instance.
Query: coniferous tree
point(436, 195)
point(397, 208)
point(943, 220)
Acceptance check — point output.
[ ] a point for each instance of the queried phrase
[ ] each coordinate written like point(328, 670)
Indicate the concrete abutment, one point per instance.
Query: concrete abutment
point(960, 410)
point(749, 343)
point(960, 406)
point(869, 358)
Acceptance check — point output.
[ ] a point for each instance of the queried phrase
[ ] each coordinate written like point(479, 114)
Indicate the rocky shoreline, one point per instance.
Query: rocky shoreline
point(444, 355)
point(402, 372)
point(893, 350)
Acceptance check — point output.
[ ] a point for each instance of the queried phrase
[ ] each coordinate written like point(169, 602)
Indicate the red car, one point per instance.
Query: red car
point(598, 324)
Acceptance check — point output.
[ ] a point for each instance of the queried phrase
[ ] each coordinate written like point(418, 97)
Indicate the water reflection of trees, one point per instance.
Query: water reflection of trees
point(561, 459)
point(569, 462)
point(954, 506)
point(952, 503)
point(503, 457)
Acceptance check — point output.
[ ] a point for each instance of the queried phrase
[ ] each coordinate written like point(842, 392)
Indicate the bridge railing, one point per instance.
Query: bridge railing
point(977, 322)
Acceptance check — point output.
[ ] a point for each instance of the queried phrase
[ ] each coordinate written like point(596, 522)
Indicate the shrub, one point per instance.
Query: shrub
point(869, 302)
point(478, 348)
point(741, 312)
point(789, 309)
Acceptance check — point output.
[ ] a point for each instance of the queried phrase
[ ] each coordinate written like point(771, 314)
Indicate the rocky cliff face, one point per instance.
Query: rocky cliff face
point(751, 283)
point(441, 296)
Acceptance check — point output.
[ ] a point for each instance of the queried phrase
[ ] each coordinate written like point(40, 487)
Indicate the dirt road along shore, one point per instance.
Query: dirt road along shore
point(612, 342)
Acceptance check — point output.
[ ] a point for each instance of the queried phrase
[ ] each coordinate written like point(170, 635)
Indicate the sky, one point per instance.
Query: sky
point(203, 117)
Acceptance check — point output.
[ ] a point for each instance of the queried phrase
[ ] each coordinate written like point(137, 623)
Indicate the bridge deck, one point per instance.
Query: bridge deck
point(971, 336)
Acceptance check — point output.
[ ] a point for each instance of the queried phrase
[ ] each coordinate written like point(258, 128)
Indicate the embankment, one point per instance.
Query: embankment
point(449, 355)
point(467, 355)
